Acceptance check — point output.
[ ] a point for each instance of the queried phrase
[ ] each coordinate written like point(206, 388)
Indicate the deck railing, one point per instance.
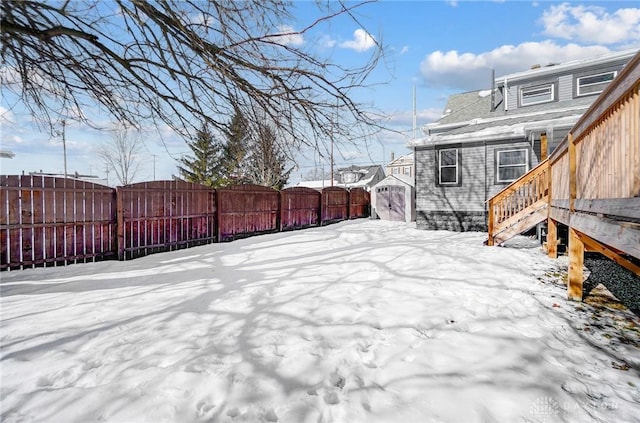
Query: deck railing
point(530, 191)
point(593, 183)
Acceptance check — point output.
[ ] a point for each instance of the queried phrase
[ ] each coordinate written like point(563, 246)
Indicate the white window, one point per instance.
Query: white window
point(395, 171)
point(448, 166)
point(536, 95)
point(349, 177)
point(594, 84)
point(511, 164)
point(407, 170)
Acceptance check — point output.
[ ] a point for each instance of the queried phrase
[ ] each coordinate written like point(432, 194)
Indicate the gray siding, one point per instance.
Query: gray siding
point(512, 97)
point(565, 83)
point(565, 88)
point(461, 207)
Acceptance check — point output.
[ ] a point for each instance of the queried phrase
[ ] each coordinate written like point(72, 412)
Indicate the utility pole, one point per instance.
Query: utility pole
point(64, 146)
point(331, 158)
point(154, 167)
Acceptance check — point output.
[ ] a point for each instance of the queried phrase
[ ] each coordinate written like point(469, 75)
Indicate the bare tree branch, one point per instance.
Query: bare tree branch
point(122, 154)
point(182, 62)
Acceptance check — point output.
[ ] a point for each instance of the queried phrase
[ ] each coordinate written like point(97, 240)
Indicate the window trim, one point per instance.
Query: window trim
point(550, 85)
point(498, 167)
point(439, 168)
point(579, 94)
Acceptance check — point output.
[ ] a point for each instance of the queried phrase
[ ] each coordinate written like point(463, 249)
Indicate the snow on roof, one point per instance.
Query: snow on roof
point(566, 66)
point(318, 184)
point(402, 160)
point(400, 177)
point(510, 129)
point(362, 183)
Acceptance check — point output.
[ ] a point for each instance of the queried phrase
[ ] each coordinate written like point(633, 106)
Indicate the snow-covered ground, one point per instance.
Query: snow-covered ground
point(362, 321)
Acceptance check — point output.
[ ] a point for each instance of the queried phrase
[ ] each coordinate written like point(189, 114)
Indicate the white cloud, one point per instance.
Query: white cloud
point(404, 119)
point(362, 41)
point(592, 24)
point(452, 3)
point(404, 50)
point(287, 35)
point(470, 71)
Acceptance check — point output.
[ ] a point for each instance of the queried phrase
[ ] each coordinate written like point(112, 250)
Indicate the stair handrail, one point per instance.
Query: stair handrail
point(510, 191)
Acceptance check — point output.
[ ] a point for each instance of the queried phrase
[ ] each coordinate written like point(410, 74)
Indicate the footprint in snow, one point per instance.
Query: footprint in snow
point(204, 408)
point(234, 412)
point(271, 416)
point(332, 398)
point(337, 380)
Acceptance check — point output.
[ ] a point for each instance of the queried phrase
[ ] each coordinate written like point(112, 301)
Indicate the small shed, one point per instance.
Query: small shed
point(393, 198)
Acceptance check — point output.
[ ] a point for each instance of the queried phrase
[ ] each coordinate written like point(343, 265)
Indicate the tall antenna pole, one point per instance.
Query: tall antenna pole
point(64, 146)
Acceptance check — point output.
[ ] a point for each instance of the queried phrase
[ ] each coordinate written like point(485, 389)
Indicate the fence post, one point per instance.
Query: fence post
point(120, 224)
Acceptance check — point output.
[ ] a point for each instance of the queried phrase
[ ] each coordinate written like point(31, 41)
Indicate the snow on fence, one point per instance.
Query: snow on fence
point(49, 221)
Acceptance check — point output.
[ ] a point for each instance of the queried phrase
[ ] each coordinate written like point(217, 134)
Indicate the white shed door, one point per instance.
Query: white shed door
point(390, 202)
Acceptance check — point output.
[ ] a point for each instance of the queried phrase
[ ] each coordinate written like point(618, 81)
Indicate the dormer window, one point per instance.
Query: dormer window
point(537, 94)
point(594, 84)
point(349, 177)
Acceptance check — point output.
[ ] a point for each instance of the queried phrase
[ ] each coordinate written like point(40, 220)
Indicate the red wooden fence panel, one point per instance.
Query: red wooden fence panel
point(335, 205)
point(163, 216)
point(299, 208)
point(50, 221)
point(245, 210)
point(358, 203)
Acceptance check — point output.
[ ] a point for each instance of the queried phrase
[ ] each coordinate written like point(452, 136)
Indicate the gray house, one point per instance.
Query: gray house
point(487, 139)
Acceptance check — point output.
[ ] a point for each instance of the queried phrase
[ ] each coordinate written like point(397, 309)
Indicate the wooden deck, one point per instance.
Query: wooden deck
point(591, 184)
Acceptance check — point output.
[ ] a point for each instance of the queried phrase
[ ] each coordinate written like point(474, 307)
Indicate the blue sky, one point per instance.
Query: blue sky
point(438, 47)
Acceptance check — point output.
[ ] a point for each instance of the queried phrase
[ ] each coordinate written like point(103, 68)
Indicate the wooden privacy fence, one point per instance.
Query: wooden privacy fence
point(245, 210)
point(299, 208)
point(164, 215)
point(335, 205)
point(49, 221)
point(359, 202)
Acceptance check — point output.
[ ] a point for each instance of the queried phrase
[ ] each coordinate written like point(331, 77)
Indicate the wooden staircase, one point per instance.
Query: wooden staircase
point(520, 206)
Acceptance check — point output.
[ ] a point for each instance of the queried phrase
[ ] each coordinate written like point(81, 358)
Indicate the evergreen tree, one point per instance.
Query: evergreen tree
point(235, 150)
point(205, 166)
point(266, 161)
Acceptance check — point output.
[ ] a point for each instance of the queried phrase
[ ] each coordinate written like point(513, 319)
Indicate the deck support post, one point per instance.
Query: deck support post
point(544, 146)
point(576, 264)
point(552, 238)
point(490, 224)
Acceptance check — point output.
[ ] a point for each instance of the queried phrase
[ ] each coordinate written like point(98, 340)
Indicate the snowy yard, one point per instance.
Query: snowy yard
point(362, 321)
